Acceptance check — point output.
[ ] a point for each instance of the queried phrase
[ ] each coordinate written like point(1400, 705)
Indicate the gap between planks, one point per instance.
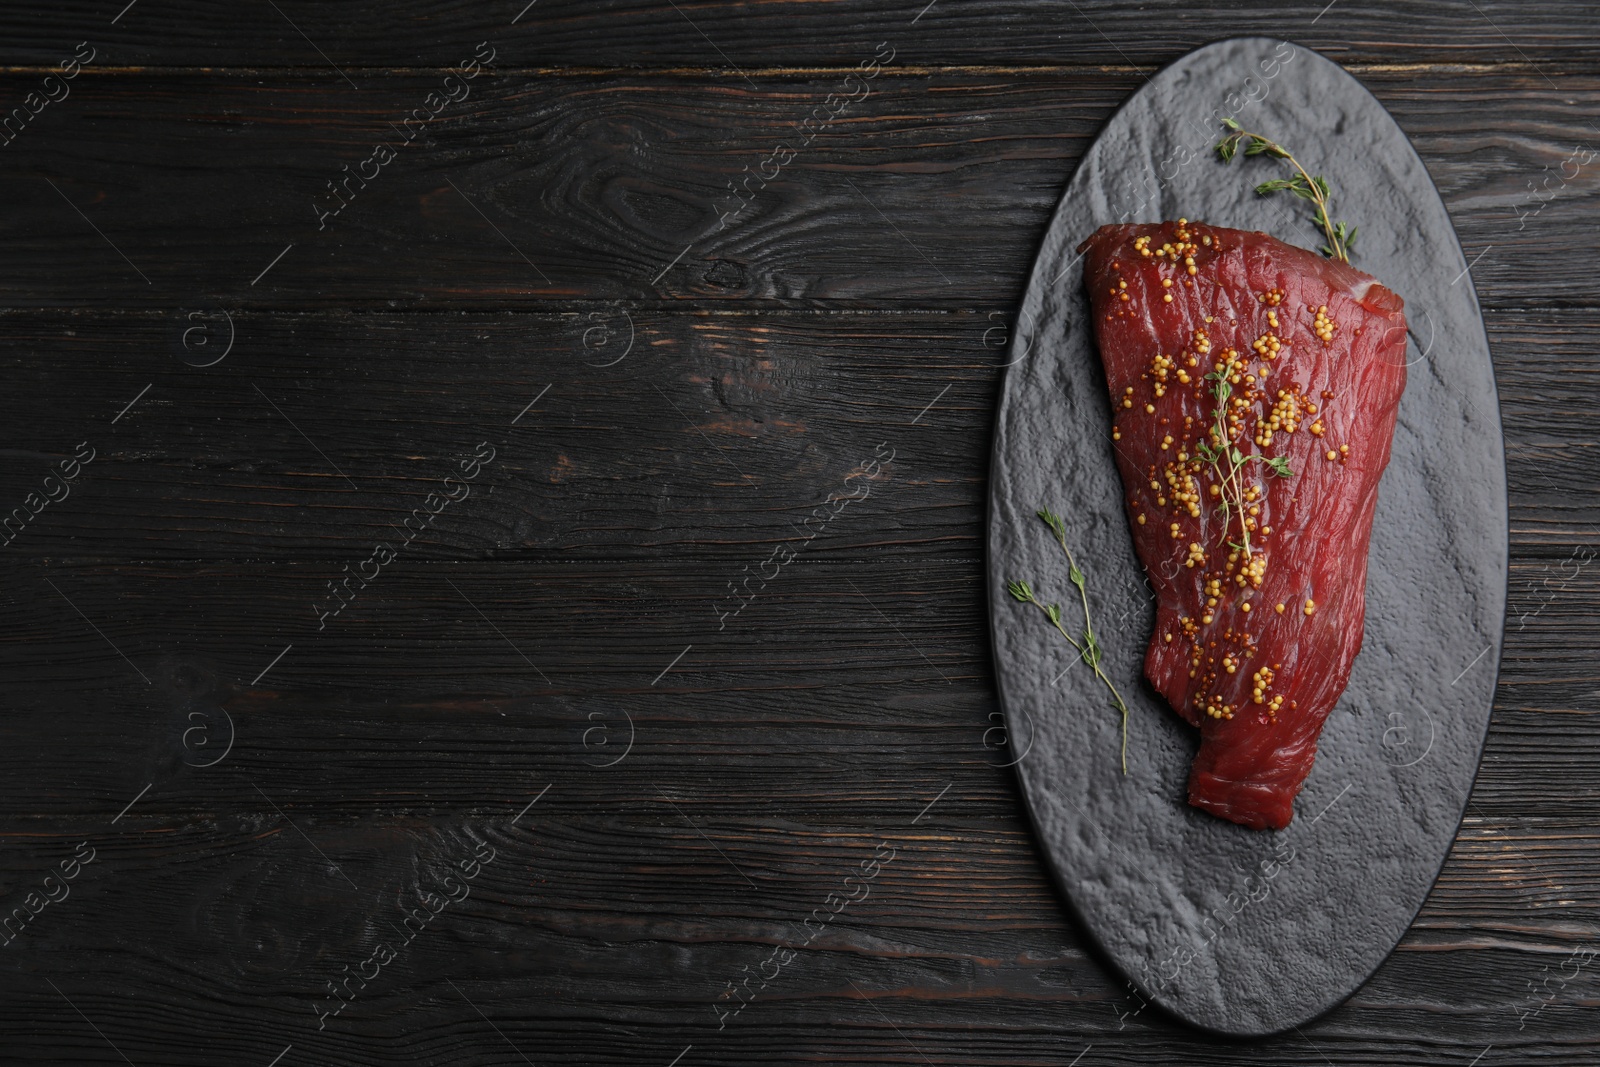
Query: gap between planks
point(1553, 67)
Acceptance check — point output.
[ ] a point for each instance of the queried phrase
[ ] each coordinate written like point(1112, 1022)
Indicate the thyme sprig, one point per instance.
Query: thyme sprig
point(1229, 463)
point(1302, 184)
point(1086, 644)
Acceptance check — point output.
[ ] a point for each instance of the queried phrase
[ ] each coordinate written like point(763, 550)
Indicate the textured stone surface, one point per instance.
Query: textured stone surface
point(1233, 930)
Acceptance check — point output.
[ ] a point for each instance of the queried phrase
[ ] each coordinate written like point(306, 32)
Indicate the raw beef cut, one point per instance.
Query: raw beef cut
point(1254, 387)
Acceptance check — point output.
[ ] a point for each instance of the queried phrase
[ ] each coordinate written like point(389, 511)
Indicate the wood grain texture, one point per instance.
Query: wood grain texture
point(733, 37)
point(415, 654)
point(540, 622)
point(205, 190)
point(794, 741)
point(712, 436)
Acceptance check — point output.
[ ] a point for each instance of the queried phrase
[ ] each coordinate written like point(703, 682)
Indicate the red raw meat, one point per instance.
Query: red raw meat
point(1252, 647)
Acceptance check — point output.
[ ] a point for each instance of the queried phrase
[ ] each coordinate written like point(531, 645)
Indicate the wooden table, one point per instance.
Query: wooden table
point(585, 732)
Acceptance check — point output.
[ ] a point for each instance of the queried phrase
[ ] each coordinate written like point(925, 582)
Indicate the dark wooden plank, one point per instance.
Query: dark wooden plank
point(779, 751)
point(1001, 987)
point(831, 666)
point(731, 37)
point(713, 436)
point(788, 743)
point(205, 190)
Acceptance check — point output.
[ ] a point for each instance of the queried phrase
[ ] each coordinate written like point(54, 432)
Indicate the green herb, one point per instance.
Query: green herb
point(1278, 465)
point(1301, 184)
point(1228, 462)
point(1086, 644)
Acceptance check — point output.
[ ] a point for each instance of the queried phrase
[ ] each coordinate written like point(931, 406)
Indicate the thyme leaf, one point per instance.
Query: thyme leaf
point(1279, 465)
point(1303, 184)
point(1227, 461)
point(1087, 645)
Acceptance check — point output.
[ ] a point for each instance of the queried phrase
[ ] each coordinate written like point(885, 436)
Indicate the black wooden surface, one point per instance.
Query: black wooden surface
point(572, 600)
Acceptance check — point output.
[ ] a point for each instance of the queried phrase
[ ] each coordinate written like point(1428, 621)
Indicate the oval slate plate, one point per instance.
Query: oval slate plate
point(1236, 931)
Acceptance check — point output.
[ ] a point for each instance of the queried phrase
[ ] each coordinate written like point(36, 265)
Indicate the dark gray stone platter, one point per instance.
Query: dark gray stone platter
point(1236, 931)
